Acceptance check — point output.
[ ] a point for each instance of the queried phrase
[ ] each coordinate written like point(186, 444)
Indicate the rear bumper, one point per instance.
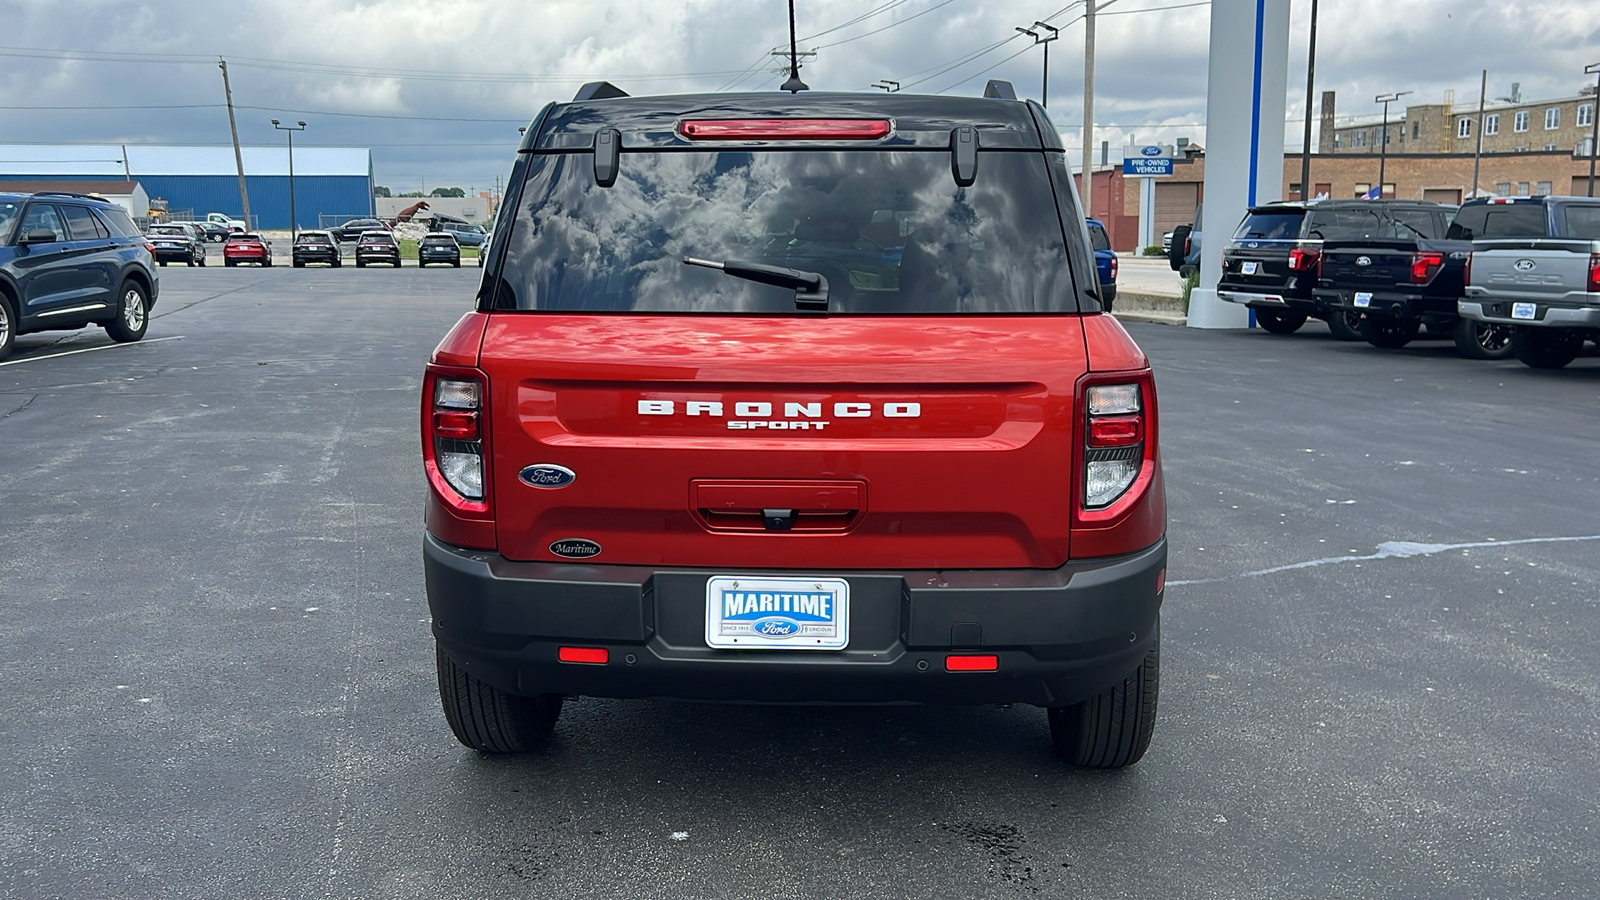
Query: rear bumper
point(1387, 303)
point(1545, 315)
point(1271, 301)
point(1060, 635)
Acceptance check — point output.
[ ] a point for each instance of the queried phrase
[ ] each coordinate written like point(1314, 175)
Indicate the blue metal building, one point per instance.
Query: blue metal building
point(333, 181)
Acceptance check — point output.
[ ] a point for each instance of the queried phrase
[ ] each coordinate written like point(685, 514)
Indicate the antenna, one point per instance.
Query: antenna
point(794, 85)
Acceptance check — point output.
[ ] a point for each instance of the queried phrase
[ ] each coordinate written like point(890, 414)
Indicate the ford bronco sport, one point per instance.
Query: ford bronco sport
point(799, 399)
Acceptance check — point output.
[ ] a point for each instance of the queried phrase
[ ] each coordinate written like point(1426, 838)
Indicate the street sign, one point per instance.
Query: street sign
point(1151, 159)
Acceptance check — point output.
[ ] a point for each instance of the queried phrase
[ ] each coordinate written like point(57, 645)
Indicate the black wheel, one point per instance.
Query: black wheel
point(192, 263)
point(162, 263)
point(133, 314)
point(229, 263)
point(1482, 340)
point(1279, 322)
point(490, 720)
point(1111, 729)
point(457, 264)
point(1388, 332)
point(1345, 325)
point(1546, 348)
point(266, 263)
point(299, 264)
point(202, 262)
point(361, 263)
point(8, 325)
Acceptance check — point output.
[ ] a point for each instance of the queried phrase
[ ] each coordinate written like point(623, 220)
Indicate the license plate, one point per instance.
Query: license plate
point(753, 613)
point(1249, 268)
point(1363, 299)
point(1524, 310)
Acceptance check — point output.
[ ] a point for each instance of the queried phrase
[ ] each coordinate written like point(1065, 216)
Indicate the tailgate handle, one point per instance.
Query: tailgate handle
point(778, 506)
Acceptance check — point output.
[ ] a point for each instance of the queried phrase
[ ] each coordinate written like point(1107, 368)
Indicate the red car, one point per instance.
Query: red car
point(843, 423)
point(247, 247)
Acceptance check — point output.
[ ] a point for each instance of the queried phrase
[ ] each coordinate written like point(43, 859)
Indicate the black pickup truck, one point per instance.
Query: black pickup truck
point(1396, 284)
point(1271, 264)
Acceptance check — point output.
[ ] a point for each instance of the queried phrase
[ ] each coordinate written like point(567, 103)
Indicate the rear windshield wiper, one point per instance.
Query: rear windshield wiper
point(810, 288)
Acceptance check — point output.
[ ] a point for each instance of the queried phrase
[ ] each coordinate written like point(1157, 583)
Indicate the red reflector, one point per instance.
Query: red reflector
point(592, 655)
point(972, 663)
point(784, 129)
point(1161, 581)
point(461, 425)
point(1115, 431)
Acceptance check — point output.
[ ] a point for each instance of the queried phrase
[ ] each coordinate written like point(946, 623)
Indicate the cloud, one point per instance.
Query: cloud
point(1150, 66)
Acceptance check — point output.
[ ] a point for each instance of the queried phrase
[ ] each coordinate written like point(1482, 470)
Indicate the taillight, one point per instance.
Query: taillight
point(150, 247)
point(1302, 260)
point(1594, 273)
point(1113, 268)
point(1424, 266)
point(784, 129)
point(1113, 451)
point(455, 406)
point(1188, 244)
point(1466, 270)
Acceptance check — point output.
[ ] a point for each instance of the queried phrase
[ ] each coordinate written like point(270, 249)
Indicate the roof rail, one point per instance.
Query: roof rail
point(67, 194)
point(999, 90)
point(599, 90)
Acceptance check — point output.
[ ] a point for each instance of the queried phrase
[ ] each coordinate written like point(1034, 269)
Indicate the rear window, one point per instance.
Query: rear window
point(1271, 226)
point(890, 231)
point(119, 221)
point(312, 239)
point(1097, 237)
point(1499, 220)
point(1349, 225)
point(1583, 222)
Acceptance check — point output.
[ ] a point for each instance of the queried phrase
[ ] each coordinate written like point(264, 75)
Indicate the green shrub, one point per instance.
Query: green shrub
point(1153, 250)
point(1189, 284)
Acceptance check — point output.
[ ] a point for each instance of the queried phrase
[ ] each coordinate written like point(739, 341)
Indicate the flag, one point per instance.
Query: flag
point(1374, 194)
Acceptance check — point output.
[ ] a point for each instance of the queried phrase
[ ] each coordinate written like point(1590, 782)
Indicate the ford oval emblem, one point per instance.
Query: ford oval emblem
point(1525, 265)
point(775, 627)
point(1150, 151)
point(1252, 245)
point(1363, 260)
point(548, 476)
point(575, 548)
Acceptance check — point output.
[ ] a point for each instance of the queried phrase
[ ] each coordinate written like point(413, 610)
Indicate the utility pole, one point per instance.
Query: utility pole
point(1311, 80)
point(127, 173)
point(238, 157)
point(1477, 153)
point(1088, 107)
point(1594, 117)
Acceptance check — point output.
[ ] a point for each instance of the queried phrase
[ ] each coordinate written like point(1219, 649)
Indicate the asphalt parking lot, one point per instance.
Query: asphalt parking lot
point(1379, 667)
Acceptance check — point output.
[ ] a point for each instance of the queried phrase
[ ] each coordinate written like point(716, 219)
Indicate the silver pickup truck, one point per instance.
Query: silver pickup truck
point(1535, 265)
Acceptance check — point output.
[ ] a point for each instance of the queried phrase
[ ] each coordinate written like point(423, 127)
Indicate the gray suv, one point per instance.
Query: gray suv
point(70, 260)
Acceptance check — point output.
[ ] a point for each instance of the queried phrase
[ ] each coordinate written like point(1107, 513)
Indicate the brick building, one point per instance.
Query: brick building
point(1510, 125)
point(1441, 177)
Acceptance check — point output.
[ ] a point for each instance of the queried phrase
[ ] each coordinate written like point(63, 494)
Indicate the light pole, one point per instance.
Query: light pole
point(1383, 137)
point(1044, 86)
point(294, 224)
point(1594, 119)
point(1311, 79)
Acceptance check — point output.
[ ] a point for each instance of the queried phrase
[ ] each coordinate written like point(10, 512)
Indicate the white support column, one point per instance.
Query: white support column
point(1245, 106)
point(1147, 214)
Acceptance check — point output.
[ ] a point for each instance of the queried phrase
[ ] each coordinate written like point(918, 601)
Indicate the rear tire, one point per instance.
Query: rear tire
point(361, 264)
point(229, 263)
point(8, 325)
point(1482, 340)
point(1112, 729)
point(1546, 348)
point(1389, 333)
point(132, 316)
point(1279, 322)
point(488, 719)
point(1346, 326)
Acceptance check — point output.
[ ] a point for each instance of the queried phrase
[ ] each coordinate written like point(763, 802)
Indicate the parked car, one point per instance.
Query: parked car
point(846, 425)
point(1535, 266)
point(70, 260)
point(210, 232)
point(352, 230)
point(377, 247)
point(1183, 250)
point(438, 247)
point(483, 248)
point(466, 235)
point(247, 247)
point(1398, 283)
point(1271, 263)
point(316, 247)
point(234, 226)
point(1105, 262)
point(177, 243)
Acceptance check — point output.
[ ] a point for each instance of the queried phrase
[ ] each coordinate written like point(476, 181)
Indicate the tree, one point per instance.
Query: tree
point(448, 192)
point(381, 191)
point(412, 194)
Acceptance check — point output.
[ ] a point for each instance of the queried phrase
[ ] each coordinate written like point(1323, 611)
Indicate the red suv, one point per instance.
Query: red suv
point(794, 399)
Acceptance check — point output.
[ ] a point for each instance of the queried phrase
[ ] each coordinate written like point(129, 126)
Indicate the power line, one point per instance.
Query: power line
point(888, 26)
point(861, 18)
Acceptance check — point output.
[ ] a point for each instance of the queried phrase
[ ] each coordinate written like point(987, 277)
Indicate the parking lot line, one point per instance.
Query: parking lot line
point(15, 362)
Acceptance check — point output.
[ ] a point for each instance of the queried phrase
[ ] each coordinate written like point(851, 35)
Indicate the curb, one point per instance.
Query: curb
point(1150, 317)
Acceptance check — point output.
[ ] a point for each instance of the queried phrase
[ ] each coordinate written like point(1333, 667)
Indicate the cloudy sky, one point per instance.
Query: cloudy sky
point(437, 88)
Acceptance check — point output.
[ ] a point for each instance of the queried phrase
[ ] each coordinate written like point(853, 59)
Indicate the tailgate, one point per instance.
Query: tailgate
point(1257, 266)
point(1549, 269)
point(1366, 267)
point(878, 442)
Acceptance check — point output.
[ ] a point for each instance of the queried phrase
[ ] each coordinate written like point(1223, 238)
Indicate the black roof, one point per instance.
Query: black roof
point(919, 120)
point(1279, 205)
